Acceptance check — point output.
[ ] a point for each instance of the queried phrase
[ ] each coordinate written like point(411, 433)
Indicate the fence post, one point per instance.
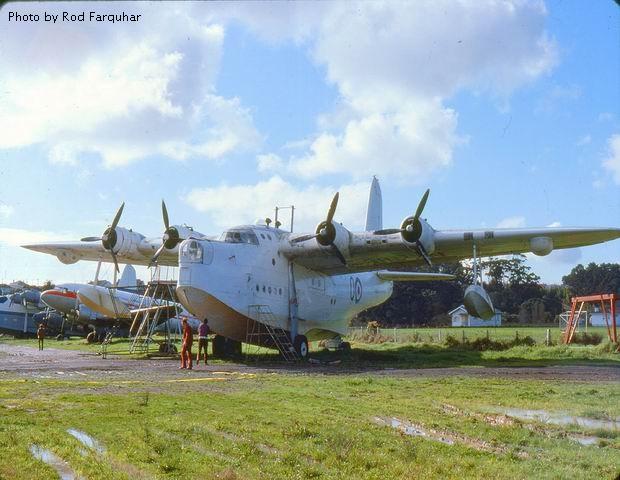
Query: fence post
point(440, 335)
point(487, 334)
point(463, 332)
point(394, 334)
point(548, 337)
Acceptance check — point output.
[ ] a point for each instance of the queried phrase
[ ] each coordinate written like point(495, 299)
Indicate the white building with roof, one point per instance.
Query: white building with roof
point(460, 318)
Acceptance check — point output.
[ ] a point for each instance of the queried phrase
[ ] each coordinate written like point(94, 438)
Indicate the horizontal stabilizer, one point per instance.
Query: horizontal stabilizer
point(413, 276)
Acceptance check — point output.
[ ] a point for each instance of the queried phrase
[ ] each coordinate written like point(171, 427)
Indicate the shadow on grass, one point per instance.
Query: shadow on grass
point(362, 358)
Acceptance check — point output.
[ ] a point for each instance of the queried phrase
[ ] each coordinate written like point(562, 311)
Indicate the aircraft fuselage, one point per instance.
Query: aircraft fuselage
point(231, 281)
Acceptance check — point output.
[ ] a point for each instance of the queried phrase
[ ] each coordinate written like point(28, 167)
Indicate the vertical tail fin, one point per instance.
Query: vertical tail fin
point(374, 214)
point(128, 278)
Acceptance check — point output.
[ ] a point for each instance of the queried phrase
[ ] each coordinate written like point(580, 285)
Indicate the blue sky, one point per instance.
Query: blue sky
point(507, 110)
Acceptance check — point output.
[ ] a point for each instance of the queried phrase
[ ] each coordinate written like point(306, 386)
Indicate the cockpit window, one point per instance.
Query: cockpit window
point(2, 299)
point(239, 236)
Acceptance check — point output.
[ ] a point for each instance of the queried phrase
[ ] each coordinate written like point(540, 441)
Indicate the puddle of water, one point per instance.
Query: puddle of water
point(561, 419)
point(411, 430)
point(86, 440)
point(586, 440)
point(62, 468)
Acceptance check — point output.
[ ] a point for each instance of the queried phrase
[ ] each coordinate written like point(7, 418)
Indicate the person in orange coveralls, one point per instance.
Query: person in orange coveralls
point(186, 349)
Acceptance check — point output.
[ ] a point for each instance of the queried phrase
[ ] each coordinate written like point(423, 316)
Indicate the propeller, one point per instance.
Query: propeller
point(171, 237)
point(325, 231)
point(109, 237)
point(411, 229)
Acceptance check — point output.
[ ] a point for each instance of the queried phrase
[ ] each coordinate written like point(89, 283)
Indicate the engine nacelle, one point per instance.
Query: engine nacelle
point(126, 241)
point(85, 315)
point(334, 234)
point(541, 246)
point(418, 231)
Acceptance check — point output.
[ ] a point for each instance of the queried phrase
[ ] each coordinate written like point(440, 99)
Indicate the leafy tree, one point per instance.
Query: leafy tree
point(595, 278)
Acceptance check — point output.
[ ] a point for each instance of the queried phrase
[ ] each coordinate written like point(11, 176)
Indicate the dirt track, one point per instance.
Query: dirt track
point(28, 362)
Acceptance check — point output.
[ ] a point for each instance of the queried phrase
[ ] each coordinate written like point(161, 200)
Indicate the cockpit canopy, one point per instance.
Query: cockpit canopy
point(239, 235)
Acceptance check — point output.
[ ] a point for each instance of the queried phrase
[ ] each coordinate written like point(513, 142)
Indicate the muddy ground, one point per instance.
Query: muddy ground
point(27, 362)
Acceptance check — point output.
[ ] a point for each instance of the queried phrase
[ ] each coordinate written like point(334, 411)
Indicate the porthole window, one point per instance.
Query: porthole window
point(262, 236)
point(273, 262)
point(269, 236)
point(263, 288)
point(280, 290)
point(269, 290)
point(257, 288)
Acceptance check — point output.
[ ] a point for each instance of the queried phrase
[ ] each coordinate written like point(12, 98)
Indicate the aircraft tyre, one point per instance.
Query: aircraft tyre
point(219, 346)
point(224, 347)
point(301, 346)
point(91, 337)
point(345, 347)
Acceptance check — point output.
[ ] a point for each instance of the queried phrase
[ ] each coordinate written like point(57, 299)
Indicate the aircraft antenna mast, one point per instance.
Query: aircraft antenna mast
point(292, 207)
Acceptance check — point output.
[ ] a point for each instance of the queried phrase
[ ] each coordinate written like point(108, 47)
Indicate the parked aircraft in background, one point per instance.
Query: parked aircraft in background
point(301, 287)
point(101, 307)
point(17, 312)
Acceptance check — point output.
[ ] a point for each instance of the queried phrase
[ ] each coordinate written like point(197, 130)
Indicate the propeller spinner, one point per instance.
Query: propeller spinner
point(411, 229)
point(170, 238)
point(325, 231)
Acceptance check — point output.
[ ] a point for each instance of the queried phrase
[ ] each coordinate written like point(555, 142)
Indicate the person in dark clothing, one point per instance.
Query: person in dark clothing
point(41, 335)
point(203, 339)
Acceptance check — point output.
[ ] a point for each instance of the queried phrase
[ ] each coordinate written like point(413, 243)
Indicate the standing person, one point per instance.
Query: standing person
point(41, 335)
point(203, 339)
point(186, 349)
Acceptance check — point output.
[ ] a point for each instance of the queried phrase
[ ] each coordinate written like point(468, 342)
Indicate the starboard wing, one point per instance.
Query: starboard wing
point(368, 251)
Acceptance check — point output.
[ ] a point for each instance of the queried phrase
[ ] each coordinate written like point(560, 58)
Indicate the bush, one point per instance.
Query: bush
point(585, 338)
point(483, 343)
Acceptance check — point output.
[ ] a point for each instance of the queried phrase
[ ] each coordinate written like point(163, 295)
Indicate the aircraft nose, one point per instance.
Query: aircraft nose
point(47, 297)
point(58, 299)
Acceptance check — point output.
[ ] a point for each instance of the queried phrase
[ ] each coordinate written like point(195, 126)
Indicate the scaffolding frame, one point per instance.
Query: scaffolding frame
point(601, 299)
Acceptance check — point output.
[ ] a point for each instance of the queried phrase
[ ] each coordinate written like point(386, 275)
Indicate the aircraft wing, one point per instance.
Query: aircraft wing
point(138, 254)
point(367, 251)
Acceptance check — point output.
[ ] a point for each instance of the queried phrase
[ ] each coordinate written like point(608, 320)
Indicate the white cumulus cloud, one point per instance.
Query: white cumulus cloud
point(512, 222)
point(243, 204)
point(612, 161)
point(395, 64)
point(143, 91)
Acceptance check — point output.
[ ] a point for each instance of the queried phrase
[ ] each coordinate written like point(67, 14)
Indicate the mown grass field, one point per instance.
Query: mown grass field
point(321, 424)
point(295, 426)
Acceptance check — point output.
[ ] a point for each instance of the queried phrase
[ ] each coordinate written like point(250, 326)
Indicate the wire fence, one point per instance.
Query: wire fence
point(541, 335)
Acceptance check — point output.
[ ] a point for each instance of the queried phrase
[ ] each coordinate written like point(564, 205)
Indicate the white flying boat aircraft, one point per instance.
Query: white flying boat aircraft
point(304, 287)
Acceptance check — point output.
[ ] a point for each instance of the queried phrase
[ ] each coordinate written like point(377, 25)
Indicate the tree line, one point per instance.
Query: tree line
point(511, 283)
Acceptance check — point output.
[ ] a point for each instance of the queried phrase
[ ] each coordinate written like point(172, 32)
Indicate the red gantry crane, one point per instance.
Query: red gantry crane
point(601, 299)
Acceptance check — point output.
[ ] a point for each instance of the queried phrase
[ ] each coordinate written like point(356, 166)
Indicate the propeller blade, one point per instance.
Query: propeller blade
point(303, 238)
point(117, 217)
point(332, 208)
point(339, 254)
point(90, 239)
point(157, 254)
point(387, 231)
point(164, 212)
point(118, 270)
point(423, 253)
point(422, 204)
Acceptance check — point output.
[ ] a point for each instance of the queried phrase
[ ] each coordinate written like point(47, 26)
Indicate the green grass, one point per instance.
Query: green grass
point(311, 425)
point(438, 335)
point(298, 426)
